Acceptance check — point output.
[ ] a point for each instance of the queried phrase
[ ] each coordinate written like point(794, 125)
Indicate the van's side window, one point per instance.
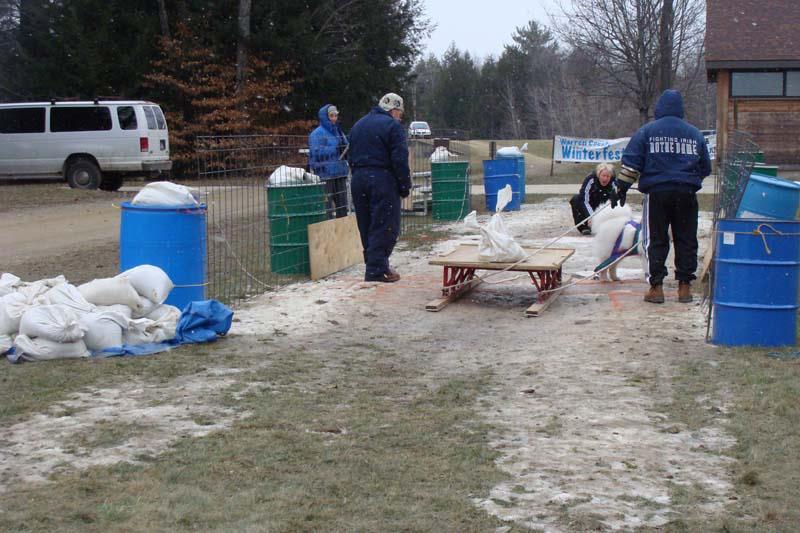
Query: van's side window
point(150, 116)
point(127, 118)
point(80, 119)
point(162, 122)
point(22, 120)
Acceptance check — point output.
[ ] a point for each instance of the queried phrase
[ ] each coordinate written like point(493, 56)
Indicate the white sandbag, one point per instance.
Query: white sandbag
point(164, 313)
point(124, 310)
point(144, 330)
point(166, 193)
point(512, 151)
point(150, 281)
point(110, 291)
point(12, 307)
point(57, 323)
point(496, 244)
point(66, 294)
point(144, 309)
point(8, 282)
point(5, 344)
point(29, 349)
point(284, 175)
point(441, 155)
point(103, 329)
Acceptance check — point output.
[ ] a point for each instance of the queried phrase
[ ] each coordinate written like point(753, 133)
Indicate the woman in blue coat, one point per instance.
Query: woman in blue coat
point(327, 146)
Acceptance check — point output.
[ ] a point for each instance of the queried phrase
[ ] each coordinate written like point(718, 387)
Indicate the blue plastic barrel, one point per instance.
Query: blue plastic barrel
point(497, 173)
point(769, 197)
point(172, 238)
point(521, 171)
point(756, 282)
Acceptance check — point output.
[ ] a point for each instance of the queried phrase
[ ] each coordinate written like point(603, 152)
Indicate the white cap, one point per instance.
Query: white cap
point(391, 101)
point(332, 110)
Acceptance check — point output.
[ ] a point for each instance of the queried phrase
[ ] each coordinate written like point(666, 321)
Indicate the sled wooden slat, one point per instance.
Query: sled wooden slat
point(458, 278)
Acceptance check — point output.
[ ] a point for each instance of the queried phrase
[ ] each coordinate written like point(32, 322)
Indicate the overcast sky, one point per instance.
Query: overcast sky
point(481, 27)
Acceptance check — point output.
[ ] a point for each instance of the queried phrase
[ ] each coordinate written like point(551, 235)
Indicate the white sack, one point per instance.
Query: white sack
point(43, 350)
point(144, 330)
point(5, 344)
point(504, 197)
point(103, 329)
point(124, 310)
point(150, 282)
point(441, 155)
point(144, 309)
point(12, 307)
point(284, 175)
point(110, 291)
point(512, 151)
point(165, 193)
point(66, 294)
point(165, 313)
point(57, 323)
point(8, 282)
point(496, 244)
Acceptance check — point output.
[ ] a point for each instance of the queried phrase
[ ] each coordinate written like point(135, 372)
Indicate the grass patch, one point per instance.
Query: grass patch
point(763, 414)
point(357, 442)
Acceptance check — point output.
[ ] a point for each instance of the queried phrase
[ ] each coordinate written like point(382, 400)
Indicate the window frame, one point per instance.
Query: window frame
point(56, 109)
point(25, 108)
point(782, 72)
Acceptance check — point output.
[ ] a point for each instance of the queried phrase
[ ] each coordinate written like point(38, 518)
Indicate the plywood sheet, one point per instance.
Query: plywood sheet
point(466, 255)
point(333, 245)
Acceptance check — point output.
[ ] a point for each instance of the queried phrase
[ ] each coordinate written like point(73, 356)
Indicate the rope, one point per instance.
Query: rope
point(759, 233)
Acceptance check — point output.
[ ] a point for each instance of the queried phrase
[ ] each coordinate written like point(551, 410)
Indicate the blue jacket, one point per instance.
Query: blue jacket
point(379, 143)
point(669, 153)
point(326, 144)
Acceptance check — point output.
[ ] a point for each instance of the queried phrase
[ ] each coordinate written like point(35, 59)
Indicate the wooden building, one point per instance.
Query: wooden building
point(753, 55)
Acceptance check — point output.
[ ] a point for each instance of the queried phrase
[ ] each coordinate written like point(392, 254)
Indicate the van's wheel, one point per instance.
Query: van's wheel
point(111, 182)
point(83, 174)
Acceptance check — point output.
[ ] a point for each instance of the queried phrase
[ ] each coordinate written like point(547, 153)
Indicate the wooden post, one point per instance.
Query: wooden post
point(723, 102)
point(492, 149)
point(552, 155)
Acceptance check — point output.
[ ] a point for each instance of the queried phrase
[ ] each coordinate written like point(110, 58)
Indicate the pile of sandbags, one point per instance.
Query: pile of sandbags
point(52, 319)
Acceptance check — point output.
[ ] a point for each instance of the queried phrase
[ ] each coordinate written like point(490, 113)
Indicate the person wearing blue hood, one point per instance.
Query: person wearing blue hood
point(669, 157)
point(379, 157)
point(327, 147)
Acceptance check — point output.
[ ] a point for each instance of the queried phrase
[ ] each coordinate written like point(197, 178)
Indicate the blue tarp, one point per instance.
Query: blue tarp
point(201, 321)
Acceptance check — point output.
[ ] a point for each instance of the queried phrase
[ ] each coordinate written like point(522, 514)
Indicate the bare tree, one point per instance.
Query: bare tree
point(242, 41)
point(512, 111)
point(625, 39)
point(162, 17)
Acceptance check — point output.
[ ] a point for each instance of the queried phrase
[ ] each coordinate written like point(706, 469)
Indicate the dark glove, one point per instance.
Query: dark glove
point(622, 191)
point(613, 197)
point(404, 193)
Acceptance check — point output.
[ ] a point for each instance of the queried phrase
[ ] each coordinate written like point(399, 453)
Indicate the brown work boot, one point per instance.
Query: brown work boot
point(684, 292)
point(655, 295)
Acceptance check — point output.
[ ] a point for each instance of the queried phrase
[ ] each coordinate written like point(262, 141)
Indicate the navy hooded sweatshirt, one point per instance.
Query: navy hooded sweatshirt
point(669, 153)
point(379, 144)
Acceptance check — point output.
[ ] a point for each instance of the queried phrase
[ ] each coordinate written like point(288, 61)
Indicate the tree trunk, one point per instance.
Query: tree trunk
point(242, 41)
point(665, 45)
point(162, 16)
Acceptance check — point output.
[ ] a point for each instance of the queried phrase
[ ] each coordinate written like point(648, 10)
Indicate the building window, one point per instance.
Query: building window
point(757, 84)
point(793, 83)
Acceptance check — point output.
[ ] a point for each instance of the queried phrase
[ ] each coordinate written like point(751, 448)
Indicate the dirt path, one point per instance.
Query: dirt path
point(577, 393)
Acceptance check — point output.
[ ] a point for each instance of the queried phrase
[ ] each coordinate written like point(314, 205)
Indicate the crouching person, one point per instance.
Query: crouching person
point(596, 189)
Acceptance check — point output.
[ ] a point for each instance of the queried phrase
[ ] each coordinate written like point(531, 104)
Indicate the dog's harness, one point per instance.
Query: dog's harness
point(618, 251)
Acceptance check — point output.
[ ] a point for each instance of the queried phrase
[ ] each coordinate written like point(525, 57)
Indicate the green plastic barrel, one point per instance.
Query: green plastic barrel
point(450, 189)
point(291, 209)
point(765, 170)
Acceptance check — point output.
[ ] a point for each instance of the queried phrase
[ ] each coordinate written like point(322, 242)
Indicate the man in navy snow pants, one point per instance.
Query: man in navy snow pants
point(381, 177)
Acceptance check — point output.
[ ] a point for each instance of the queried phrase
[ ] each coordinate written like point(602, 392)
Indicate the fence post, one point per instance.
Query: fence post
point(552, 155)
point(492, 149)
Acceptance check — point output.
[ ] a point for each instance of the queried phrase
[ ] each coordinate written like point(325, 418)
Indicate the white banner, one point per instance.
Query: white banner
point(582, 150)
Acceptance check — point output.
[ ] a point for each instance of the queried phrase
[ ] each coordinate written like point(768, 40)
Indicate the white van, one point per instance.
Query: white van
point(90, 144)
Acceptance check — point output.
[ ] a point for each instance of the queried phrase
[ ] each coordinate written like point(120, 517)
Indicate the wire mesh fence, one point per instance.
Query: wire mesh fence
point(440, 173)
point(263, 191)
point(733, 173)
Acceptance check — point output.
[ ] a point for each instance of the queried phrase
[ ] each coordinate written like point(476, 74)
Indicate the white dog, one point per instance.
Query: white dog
point(615, 232)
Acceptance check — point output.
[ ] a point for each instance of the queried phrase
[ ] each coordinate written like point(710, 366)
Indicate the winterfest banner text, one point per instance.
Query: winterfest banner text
point(583, 150)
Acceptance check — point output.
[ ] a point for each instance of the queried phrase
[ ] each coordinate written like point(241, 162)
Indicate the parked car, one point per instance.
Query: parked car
point(419, 128)
point(91, 144)
point(708, 133)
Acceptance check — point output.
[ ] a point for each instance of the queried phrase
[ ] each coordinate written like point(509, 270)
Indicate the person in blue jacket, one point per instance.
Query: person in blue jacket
point(379, 158)
point(327, 147)
point(670, 159)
